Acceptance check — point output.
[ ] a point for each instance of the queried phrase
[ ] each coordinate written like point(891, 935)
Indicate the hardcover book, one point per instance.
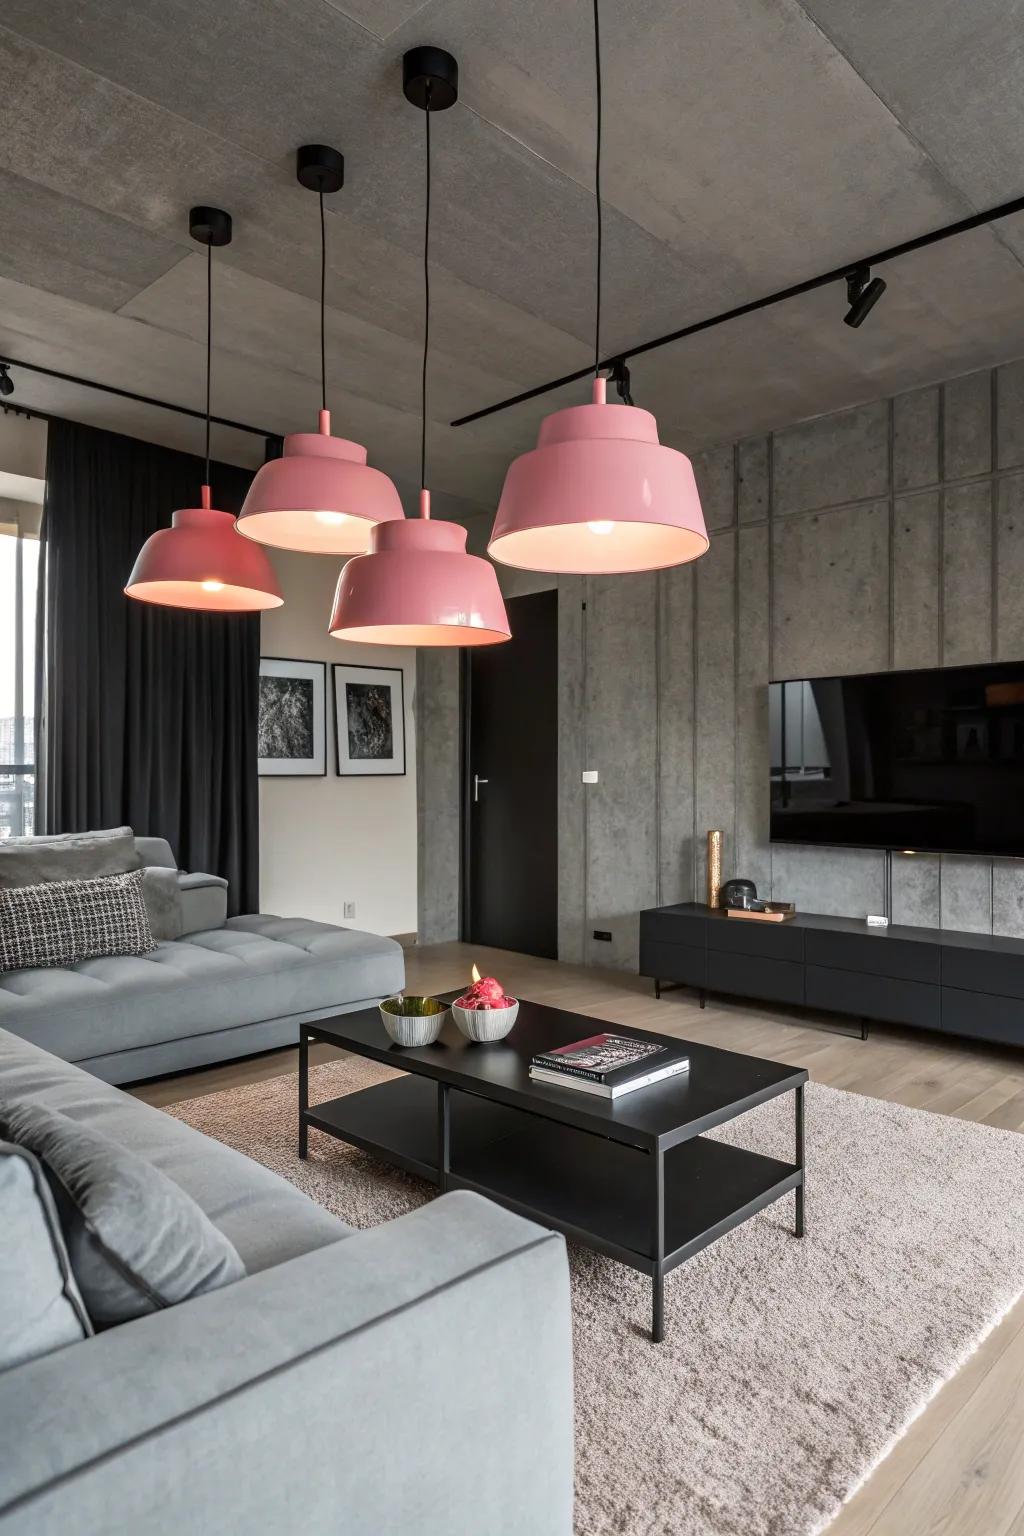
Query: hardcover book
point(605, 1058)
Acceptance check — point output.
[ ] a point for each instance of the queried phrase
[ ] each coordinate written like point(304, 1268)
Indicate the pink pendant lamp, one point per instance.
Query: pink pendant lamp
point(321, 497)
point(599, 494)
point(418, 586)
point(199, 562)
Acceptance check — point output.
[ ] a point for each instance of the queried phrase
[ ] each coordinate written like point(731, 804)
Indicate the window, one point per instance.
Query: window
point(19, 559)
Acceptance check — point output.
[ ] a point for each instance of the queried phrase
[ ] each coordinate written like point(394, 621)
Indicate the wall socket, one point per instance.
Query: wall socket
point(348, 909)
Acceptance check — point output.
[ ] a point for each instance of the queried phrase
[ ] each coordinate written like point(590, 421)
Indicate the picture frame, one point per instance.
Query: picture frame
point(369, 720)
point(292, 718)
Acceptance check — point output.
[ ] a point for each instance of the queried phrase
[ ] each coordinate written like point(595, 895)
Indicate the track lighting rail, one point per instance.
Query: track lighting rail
point(837, 274)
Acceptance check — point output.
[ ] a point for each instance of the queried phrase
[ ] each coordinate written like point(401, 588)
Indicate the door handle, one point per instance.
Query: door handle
point(477, 781)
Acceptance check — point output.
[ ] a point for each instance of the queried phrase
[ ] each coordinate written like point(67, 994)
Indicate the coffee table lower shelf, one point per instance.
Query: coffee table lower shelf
point(609, 1196)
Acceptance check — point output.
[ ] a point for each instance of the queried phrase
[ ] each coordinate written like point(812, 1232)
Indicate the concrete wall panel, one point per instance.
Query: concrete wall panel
point(831, 592)
point(966, 894)
point(832, 460)
point(915, 574)
point(753, 589)
point(438, 793)
point(1009, 563)
point(915, 439)
point(676, 666)
point(1008, 897)
point(967, 574)
point(916, 890)
point(572, 810)
point(1010, 414)
point(843, 882)
point(753, 480)
point(716, 481)
point(967, 426)
point(715, 715)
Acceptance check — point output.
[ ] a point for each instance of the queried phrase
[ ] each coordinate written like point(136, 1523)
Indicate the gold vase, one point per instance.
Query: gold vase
point(714, 869)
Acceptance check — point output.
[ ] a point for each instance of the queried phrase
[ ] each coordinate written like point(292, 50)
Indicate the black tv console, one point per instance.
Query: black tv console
point(960, 983)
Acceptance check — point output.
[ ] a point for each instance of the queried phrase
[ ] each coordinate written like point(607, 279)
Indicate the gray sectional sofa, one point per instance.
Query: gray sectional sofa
point(226, 987)
point(412, 1380)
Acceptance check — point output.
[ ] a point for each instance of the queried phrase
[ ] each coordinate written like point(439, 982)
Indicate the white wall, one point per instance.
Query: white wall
point(329, 840)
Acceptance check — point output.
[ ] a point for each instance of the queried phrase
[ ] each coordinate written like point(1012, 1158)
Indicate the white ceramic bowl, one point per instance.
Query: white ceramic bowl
point(411, 1028)
point(482, 1024)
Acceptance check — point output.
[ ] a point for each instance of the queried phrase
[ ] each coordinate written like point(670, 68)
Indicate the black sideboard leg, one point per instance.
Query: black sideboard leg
point(658, 1279)
point(657, 987)
point(303, 1089)
point(703, 997)
point(863, 1029)
point(444, 1136)
point(799, 1228)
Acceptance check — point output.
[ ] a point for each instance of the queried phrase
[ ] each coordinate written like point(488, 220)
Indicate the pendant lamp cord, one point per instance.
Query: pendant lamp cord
point(323, 305)
point(597, 187)
point(209, 334)
point(426, 309)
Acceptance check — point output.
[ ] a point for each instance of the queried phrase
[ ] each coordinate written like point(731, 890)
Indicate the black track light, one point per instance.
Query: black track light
point(862, 294)
point(6, 382)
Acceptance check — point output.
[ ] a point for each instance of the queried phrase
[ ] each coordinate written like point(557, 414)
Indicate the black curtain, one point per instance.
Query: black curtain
point(145, 716)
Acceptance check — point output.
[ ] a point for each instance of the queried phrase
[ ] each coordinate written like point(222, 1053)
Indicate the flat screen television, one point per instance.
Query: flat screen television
point(926, 761)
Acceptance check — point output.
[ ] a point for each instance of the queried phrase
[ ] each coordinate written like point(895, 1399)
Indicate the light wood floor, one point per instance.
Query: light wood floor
point(959, 1471)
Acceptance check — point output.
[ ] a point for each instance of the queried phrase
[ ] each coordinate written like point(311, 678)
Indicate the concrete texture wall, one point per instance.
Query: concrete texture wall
point(890, 535)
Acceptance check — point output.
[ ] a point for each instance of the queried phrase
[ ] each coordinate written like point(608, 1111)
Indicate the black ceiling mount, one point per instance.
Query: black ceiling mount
point(319, 168)
point(862, 294)
point(430, 79)
point(210, 226)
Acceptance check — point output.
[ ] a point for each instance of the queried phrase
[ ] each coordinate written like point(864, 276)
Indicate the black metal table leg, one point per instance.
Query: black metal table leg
point(444, 1136)
point(800, 1161)
point(303, 1089)
point(658, 1280)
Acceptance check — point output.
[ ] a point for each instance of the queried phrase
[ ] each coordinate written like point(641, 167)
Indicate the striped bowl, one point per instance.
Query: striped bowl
point(483, 1024)
point(412, 1028)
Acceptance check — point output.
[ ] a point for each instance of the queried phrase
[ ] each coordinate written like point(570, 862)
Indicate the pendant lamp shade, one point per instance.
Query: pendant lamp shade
point(199, 562)
point(599, 494)
point(418, 586)
point(321, 498)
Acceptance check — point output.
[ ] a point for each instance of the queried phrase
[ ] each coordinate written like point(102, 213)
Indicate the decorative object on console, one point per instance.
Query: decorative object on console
point(714, 869)
point(418, 586)
point(599, 494)
point(137, 1241)
point(321, 496)
point(413, 1020)
point(200, 562)
point(485, 1012)
point(737, 893)
point(760, 914)
point(369, 720)
point(64, 921)
point(292, 729)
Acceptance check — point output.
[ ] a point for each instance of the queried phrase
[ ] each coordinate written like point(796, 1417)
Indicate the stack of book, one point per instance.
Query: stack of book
point(608, 1065)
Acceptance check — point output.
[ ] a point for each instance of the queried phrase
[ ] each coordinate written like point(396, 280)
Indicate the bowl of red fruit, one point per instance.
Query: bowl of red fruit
point(484, 1011)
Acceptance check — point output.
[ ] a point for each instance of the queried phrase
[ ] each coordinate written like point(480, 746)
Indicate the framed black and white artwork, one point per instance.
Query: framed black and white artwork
point(292, 730)
point(369, 719)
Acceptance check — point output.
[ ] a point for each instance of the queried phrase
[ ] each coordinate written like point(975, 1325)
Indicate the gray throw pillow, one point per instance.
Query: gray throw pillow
point(137, 1241)
point(71, 856)
point(161, 892)
point(65, 921)
point(40, 1306)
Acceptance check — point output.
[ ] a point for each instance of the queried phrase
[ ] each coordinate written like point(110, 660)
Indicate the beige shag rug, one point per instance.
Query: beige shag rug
point(789, 1368)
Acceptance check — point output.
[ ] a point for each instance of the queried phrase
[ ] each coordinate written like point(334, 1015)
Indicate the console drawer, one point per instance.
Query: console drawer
point(673, 928)
point(874, 997)
point(673, 962)
point(746, 936)
point(873, 955)
point(983, 1016)
point(983, 970)
point(775, 981)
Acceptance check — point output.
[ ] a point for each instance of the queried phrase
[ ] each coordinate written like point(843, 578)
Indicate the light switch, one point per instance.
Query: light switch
point(589, 775)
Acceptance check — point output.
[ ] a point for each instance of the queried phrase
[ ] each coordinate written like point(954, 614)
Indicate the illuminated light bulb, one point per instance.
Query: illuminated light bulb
point(333, 518)
point(601, 527)
point(212, 586)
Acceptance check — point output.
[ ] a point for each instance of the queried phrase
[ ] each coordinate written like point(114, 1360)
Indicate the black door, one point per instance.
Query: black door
point(511, 790)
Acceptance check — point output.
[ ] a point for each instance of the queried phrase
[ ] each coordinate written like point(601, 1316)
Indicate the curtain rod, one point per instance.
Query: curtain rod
point(933, 237)
point(129, 394)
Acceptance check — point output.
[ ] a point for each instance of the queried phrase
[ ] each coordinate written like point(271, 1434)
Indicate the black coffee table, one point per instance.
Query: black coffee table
point(635, 1179)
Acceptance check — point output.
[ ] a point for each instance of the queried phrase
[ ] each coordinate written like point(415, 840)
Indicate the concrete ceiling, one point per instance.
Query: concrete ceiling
point(748, 144)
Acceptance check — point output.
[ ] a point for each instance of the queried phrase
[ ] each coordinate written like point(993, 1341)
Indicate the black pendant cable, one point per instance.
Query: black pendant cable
point(210, 226)
point(321, 169)
point(597, 188)
point(426, 300)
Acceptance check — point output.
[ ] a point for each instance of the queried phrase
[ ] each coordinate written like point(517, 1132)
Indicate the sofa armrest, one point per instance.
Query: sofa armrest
point(204, 901)
point(413, 1378)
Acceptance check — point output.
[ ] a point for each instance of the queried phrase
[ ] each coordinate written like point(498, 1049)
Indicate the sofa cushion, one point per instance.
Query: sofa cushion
point(161, 892)
point(137, 1242)
point(252, 969)
point(204, 901)
point(64, 921)
point(266, 1219)
point(67, 856)
point(40, 1305)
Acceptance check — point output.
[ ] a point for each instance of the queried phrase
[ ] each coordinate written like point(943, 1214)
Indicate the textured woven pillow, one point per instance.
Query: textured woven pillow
point(68, 920)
